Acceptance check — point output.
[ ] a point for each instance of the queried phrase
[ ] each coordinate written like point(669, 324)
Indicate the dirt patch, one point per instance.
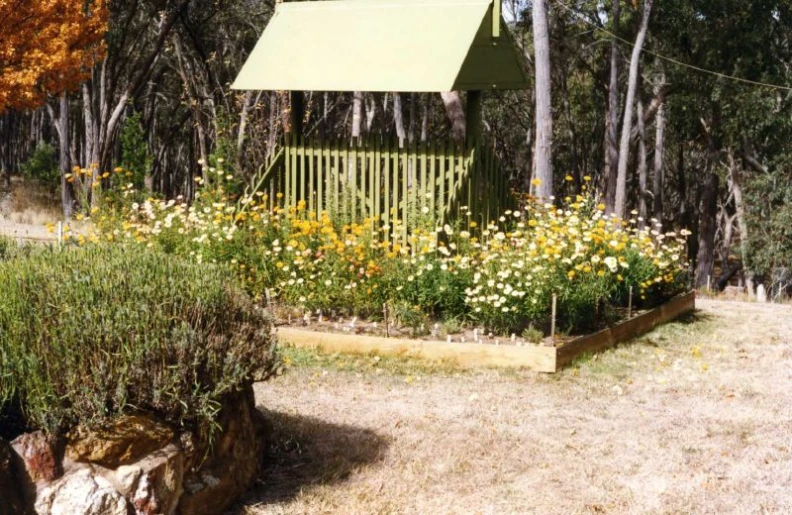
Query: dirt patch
point(693, 417)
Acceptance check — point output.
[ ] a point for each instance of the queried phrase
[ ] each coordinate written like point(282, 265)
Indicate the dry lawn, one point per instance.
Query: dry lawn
point(696, 417)
point(25, 208)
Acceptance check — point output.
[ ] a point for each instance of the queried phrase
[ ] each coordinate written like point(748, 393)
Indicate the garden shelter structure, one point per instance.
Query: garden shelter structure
point(385, 46)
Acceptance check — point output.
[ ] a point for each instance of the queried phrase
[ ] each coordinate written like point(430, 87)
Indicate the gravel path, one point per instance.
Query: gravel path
point(696, 417)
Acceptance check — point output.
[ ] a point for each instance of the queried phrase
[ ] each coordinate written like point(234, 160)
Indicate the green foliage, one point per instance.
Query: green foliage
point(42, 166)
point(532, 334)
point(769, 213)
point(135, 157)
point(87, 334)
point(412, 316)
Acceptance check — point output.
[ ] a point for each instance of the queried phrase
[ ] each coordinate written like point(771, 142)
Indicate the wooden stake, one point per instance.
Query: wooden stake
point(629, 304)
point(385, 319)
point(553, 319)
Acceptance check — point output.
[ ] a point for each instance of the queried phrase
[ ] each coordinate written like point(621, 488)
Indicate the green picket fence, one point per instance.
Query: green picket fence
point(379, 179)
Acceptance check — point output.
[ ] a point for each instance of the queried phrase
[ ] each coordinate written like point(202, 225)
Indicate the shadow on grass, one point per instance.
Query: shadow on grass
point(305, 452)
point(693, 317)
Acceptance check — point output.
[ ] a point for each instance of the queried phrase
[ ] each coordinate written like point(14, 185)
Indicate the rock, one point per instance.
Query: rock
point(81, 492)
point(129, 439)
point(11, 500)
point(39, 456)
point(153, 485)
point(232, 464)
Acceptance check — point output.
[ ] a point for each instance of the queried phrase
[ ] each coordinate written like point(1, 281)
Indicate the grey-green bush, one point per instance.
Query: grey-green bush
point(87, 334)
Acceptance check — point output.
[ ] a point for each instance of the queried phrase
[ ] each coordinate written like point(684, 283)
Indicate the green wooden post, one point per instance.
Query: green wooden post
point(387, 188)
point(470, 184)
point(377, 188)
point(352, 178)
point(346, 178)
point(302, 165)
point(405, 188)
point(450, 178)
point(372, 188)
point(424, 185)
point(336, 177)
point(328, 176)
point(311, 175)
point(433, 178)
point(413, 149)
point(443, 155)
point(320, 179)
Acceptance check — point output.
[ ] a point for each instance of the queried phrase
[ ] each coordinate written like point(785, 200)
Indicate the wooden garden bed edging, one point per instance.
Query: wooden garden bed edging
point(472, 355)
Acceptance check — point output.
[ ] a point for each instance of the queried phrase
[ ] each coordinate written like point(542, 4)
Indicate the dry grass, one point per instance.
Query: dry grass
point(696, 417)
point(26, 208)
point(29, 203)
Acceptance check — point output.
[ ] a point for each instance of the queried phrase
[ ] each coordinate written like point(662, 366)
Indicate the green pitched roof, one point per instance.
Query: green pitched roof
point(383, 45)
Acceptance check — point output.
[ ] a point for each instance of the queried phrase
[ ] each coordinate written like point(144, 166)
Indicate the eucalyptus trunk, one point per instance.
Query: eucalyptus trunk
point(543, 157)
point(612, 118)
point(632, 84)
point(657, 179)
point(452, 101)
point(642, 191)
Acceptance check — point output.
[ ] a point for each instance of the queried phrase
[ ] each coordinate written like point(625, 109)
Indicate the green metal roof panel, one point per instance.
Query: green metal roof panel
point(382, 45)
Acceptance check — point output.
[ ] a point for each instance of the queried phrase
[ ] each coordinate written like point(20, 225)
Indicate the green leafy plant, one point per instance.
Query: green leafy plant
point(42, 166)
point(88, 334)
point(135, 156)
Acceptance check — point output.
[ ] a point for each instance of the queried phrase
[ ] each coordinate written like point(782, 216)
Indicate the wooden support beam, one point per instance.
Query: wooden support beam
point(297, 112)
point(496, 16)
point(473, 117)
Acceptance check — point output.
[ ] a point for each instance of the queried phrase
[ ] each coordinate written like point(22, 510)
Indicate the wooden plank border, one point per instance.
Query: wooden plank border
point(626, 330)
point(471, 355)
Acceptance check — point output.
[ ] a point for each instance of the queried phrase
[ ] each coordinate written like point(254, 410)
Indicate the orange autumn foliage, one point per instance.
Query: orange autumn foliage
point(47, 46)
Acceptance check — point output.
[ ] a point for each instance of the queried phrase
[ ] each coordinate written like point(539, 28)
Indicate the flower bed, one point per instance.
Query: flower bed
point(501, 277)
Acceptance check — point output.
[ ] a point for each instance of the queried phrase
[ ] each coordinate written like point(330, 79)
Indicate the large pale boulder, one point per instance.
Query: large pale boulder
point(153, 485)
point(80, 492)
point(127, 440)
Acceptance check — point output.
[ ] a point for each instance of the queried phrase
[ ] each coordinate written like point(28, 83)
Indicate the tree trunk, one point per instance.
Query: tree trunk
point(612, 119)
point(742, 224)
point(632, 84)
point(657, 184)
point(543, 158)
point(411, 119)
point(642, 191)
point(357, 113)
point(63, 148)
point(398, 118)
point(425, 107)
point(456, 114)
point(371, 112)
point(708, 213)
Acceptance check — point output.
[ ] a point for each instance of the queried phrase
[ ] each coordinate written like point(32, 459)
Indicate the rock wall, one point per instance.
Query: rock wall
point(138, 465)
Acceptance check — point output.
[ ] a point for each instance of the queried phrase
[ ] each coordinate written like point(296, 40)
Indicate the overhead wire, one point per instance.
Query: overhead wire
point(671, 59)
